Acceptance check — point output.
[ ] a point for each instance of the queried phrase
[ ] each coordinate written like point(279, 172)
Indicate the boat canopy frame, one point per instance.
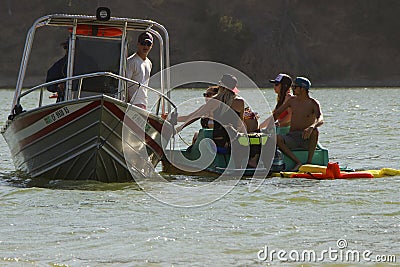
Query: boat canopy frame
point(124, 24)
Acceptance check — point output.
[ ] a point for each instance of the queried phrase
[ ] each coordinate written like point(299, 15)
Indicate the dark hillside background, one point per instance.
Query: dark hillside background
point(334, 43)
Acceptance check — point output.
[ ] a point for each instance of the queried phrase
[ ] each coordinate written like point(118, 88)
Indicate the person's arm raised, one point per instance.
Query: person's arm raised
point(205, 109)
point(276, 113)
point(282, 108)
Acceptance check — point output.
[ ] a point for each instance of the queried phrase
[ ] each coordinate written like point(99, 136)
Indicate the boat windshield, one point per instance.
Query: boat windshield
point(93, 54)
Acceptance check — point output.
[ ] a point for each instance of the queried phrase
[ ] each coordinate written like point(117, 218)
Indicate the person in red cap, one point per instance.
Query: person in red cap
point(229, 115)
point(227, 109)
point(227, 94)
point(138, 68)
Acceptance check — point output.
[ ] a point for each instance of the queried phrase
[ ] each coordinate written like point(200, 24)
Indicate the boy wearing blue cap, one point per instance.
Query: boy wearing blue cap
point(306, 117)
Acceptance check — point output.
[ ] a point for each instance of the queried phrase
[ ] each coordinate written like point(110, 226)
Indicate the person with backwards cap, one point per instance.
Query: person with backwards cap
point(306, 118)
point(282, 84)
point(138, 68)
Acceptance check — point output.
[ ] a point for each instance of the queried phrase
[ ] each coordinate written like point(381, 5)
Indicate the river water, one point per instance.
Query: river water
point(58, 223)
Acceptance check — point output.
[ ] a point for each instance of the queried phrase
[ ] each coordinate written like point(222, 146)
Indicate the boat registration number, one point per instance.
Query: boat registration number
point(56, 115)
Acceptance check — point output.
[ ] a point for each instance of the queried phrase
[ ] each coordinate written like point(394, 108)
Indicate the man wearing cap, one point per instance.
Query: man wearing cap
point(306, 117)
point(138, 69)
point(58, 71)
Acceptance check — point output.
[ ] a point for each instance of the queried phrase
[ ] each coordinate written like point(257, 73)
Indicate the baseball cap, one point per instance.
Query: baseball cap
point(145, 37)
point(282, 78)
point(230, 82)
point(302, 82)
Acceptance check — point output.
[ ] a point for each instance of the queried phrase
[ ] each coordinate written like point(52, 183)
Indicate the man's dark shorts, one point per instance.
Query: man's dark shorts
point(294, 140)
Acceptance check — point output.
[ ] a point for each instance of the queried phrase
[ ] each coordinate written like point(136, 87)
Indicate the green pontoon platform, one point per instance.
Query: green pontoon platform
point(220, 162)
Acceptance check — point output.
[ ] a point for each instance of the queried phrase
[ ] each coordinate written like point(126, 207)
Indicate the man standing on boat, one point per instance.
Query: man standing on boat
point(306, 117)
point(138, 69)
point(58, 71)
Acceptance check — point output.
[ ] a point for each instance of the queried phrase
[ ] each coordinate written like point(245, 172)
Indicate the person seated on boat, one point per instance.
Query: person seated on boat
point(251, 120)
point(138, 68)
point(282, 84)
point(252, 126)
point(227, 110)
point(207, 122)
point(58, 71)
point(306, 118)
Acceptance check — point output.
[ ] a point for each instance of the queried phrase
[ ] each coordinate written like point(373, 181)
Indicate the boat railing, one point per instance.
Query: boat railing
point(80, 79)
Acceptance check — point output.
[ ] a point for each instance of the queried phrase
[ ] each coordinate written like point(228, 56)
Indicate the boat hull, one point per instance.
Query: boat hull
point(84, 140)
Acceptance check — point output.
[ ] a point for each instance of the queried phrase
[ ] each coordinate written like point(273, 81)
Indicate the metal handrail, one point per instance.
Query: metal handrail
point(91, 75)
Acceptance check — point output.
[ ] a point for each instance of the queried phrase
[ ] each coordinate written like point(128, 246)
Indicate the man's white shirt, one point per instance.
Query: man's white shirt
point(138, 70)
